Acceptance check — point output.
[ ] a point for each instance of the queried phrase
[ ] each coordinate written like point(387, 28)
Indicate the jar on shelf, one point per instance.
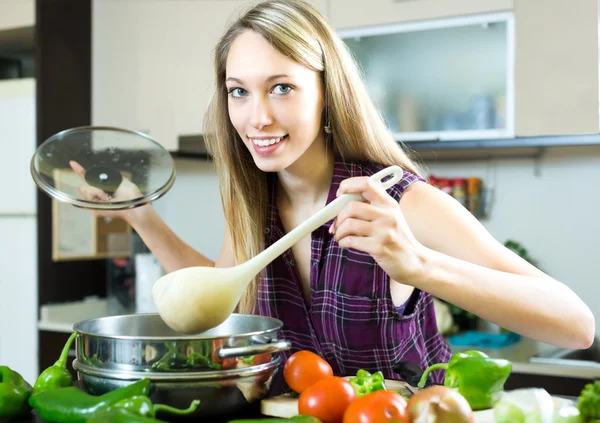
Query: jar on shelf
point(459, 190)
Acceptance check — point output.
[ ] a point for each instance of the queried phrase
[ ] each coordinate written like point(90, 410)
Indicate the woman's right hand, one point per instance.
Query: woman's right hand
point(127, 190)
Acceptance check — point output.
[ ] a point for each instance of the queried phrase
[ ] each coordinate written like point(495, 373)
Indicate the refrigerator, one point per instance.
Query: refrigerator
point(18, 231)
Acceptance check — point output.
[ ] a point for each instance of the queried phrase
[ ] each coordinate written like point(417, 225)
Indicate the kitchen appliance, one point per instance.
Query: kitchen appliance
point(216, 367)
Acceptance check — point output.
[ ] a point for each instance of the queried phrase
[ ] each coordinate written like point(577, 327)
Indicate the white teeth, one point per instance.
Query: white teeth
point(265, 143)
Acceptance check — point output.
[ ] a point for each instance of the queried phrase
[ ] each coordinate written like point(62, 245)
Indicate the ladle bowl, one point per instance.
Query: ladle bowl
point(196, 299)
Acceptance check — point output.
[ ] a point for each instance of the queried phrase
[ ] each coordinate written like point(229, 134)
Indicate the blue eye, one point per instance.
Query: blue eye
point(237, 92)
point(282, 89)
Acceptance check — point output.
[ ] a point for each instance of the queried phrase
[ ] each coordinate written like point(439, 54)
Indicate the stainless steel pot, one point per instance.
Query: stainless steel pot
point(219, 367)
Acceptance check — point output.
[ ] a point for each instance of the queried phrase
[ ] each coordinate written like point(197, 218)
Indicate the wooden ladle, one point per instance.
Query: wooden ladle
point(195, 299)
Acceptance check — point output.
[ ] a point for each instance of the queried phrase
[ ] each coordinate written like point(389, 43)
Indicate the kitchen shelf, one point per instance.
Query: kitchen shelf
point(482, 149)
point(504, 148)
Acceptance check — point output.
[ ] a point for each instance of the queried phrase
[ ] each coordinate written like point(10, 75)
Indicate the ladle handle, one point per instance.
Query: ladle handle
point(324, 215)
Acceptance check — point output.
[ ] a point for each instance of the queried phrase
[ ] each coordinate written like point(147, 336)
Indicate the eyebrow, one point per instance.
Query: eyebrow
point(270, 78)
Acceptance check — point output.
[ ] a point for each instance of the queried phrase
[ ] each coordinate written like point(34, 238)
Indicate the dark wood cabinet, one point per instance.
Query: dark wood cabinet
point(51, 346)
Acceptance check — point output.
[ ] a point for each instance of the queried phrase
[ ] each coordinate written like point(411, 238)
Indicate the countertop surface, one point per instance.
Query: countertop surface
point(61, 317)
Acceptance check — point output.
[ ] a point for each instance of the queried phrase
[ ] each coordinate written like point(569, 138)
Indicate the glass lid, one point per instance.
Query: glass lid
point(103, 168)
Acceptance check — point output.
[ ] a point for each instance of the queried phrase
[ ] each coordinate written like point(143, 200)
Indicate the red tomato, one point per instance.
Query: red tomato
point(327, 399)
point(226, 363)
point(303, 369)
point(261, 359)
point(378, 407)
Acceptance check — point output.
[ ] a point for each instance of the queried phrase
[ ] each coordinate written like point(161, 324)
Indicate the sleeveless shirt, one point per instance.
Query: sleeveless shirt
point(350, 319)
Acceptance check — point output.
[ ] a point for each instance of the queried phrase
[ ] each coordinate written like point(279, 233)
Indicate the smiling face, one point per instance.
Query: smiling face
point(275, 104)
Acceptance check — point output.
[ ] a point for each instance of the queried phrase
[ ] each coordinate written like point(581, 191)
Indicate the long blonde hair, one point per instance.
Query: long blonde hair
point(297, 30)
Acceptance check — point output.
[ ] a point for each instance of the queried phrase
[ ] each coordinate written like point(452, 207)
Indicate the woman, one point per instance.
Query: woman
point(290, 127)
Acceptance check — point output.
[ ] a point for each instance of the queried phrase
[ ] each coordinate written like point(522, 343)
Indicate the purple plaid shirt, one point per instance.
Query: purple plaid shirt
point(351, 320)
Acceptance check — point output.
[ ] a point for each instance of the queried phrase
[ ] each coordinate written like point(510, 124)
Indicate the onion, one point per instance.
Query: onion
point(437, 404)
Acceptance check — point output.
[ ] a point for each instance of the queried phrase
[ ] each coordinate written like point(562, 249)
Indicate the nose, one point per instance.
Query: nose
point(261, 113)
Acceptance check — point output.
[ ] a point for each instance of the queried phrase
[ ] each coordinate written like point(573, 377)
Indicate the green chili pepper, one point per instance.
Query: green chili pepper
point(365, 382)
point(475, 375)
point(14, 393)
point(57, 375)
point(196, 359)
point(120, 415)
point(143, 406)
point(172, 359)
point(72, 405)
point(294, 419)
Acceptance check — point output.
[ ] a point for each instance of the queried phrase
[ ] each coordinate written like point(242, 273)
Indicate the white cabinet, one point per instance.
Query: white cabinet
point(556, 67)
point(18, 226)
point(531, 71)
point(442, 79)
point(359, 13)
point(16, 14)
point(152, 64)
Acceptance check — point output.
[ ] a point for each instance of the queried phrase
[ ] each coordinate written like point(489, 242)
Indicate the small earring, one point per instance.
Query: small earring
point(327, 127)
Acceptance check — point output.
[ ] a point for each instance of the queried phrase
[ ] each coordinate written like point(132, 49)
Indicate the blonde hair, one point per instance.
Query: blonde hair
point(297, 30)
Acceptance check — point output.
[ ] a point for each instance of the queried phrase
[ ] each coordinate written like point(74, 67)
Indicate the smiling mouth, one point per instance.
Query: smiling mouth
point(267, 142)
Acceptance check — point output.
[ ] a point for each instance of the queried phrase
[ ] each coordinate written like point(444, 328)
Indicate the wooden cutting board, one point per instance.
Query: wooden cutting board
point(285, 406)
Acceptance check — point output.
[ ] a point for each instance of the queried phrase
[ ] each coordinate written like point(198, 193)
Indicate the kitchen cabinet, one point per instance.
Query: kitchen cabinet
point(556, 67)
point(529, 70)
point(152, 63)
point(448, 79)
point(16, 14)
point(358, 13)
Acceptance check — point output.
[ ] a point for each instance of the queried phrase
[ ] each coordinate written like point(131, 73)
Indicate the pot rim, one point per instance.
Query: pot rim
point(278, 324)
point(178, 376)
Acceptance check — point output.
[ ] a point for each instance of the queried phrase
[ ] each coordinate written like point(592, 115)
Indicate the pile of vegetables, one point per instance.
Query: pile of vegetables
point(473, 381)
point(56, 400)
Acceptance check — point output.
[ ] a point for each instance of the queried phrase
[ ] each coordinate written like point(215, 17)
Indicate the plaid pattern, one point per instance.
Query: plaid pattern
point(351, 320)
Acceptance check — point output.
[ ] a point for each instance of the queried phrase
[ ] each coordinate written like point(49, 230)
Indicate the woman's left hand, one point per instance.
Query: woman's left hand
point(378, 228)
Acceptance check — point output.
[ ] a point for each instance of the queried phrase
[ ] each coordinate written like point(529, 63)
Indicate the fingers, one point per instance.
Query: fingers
point(365, 244)
point(77, 168)
point(371, 190)
point(353, 227)
point(356, 210)
point(90, 193)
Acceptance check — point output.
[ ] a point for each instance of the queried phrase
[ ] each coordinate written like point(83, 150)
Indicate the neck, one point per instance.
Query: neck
point(306, 183)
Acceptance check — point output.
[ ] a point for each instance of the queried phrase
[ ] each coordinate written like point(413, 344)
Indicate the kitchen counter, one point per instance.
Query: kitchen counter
point(62, 317)
point(521, 352)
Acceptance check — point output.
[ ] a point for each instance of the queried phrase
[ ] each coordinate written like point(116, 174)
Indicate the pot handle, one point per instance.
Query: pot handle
point(274, 346)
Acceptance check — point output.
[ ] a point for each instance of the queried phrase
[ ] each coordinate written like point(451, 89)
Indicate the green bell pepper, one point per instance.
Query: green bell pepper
point(143, 406)
point(365, 382)
point(120, 415)
point(72, 405)
point(57, 375)
point(14, 393)
point(475, 375)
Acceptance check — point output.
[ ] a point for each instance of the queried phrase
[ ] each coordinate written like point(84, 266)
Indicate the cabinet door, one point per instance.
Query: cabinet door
point(17, 140)
point(556, 67)
point(358, 13)
point(18, 285)
point(16, 14)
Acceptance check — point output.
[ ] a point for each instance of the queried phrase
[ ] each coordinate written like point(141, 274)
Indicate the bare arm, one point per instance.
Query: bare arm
point(170, 250)
point(466, 266)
